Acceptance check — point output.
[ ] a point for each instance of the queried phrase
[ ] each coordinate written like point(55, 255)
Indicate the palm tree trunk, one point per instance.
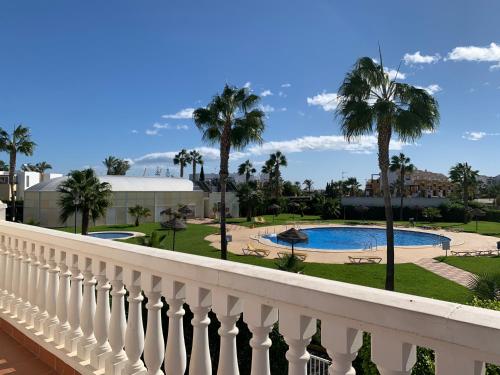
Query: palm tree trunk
point(466, 200)
point(85, 221)
point(182, 170)
point(277, 182)
point(194, 171)
point(401, 191)
point(12, 171)
point(384, 137)
point(225, 146)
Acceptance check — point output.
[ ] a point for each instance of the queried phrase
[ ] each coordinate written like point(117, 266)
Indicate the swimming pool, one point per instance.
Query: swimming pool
point(353, 238)
point(112, 235)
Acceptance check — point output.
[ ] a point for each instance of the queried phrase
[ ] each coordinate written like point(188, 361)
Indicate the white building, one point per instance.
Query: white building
point(156, 193)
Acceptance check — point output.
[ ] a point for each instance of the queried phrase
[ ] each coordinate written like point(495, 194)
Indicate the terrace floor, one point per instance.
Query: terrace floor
point(16, 359)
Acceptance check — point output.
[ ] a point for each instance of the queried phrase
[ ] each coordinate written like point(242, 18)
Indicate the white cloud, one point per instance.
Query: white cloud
point(327, 100)
point(477, 136)
point(431, 89)
point(286, 85)
point(418, 58)
point(134, 131)
point(267, 108)
point(157, 125)
point(361, 145)
point(266, 93)
point(489, 53)
point(247, 84)
point(282, 94)
point(152, 131)
point(301, 113)
point(393, 74)
point(186, 113)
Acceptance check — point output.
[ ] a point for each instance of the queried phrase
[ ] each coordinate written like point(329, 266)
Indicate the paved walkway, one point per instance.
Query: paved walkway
point(445, 270)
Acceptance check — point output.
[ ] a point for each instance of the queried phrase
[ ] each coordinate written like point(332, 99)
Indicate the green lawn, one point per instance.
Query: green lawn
point(409, 277)
point(477, 265)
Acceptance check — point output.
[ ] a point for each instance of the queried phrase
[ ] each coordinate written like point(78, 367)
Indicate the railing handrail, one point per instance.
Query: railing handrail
point(420, 320)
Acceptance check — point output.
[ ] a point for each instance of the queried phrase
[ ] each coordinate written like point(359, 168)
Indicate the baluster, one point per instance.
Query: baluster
point(117, 325)
point(3, 270)
point(32, 287)
point(75, 305)
point(134, 334)
point(62, 304)
point(9, 296)
point(260, 319)
point(51, 301)
point(392, 356)
point(297, 330)
point(25, 278)
point(451, 361)
point(154, 345)
point(88, 311)
point(101, 318)
point(200, 300)
point(342, 344)
point(42, 286)
point(175, 352)
point(228, 309)
point(16, 280)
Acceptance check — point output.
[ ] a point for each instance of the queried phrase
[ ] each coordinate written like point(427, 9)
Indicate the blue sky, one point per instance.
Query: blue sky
point(93, 78)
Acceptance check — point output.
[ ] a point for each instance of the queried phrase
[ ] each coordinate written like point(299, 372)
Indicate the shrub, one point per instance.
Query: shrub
point(290, 263)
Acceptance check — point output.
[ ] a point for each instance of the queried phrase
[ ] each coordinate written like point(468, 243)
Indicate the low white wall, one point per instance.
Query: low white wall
point(3, 211)
point(407, 202)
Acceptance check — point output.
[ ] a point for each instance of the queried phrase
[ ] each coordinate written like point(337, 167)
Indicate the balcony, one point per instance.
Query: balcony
point(65, 294)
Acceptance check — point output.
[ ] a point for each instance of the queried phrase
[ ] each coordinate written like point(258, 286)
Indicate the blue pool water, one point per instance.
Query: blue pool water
point(351, 238)
point(111, 235)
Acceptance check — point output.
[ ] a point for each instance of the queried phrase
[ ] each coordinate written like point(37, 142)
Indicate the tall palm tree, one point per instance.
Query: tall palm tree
point(231, 119)
point(246, 169)
point(401, 163)
point(28, 167)
point(277, 160)
point(369, 101)
point(18, 142)
point(83, 192)
point(465, 178)
point(182, 159)
point(308, 184)
point(196, 159)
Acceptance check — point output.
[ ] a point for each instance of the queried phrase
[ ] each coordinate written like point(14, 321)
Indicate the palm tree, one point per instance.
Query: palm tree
point(83, 192)
point(308, 184)
point(182, 159)
point(231, 119)
point(403, 164)
point(465, 178)
point(42, 166)
point(246, 169)
point(139, 211)
point(196, 159)
point(4, 167)
point(277, 160)
point(369, 101)
point(352, 185)
point(28, 167)
point(155, 239)
point(250, 198)
point(110, 163)
point(116, 166)
point(18, 142)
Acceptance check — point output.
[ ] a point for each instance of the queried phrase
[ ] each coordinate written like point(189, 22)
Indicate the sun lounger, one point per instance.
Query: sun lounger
point(364, 259)
point(301, 256)
point(463, 253)
point(259, 220)
point(484, 252)
point(250, 250)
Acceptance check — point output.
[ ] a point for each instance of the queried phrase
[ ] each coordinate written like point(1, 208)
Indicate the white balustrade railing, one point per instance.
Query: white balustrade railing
point(67, 293)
